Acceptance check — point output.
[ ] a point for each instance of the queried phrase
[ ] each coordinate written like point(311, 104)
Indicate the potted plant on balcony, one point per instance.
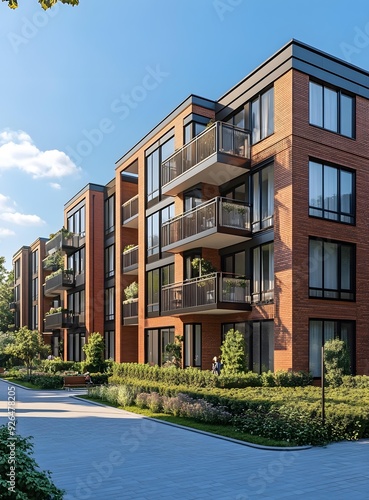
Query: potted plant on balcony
point(131, 292)
point(127, 248)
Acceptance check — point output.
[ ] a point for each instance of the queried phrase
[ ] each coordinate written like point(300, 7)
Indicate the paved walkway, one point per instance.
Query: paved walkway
point(101, 453)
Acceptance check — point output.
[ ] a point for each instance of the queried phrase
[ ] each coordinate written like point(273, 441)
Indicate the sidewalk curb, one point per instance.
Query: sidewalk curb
point(224, 438)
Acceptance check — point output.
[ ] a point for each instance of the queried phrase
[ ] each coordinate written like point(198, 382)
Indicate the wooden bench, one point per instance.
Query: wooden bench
point(2, 370)
point(71, 381)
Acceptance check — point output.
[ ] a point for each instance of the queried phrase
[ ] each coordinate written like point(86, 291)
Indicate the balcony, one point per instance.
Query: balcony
point(130, 312)
point(55, 284)
point(217, 155)
point(130, 213)
point(215, 293)
point(130, 260)
point(58, 320)
point(12, 307)
point(217, 223)
point(63, 240)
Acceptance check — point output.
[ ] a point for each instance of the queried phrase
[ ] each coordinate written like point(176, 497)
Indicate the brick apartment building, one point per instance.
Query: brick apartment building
point(247, 212)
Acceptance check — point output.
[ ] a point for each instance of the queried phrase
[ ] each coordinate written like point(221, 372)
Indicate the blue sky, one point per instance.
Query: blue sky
point(79, 86)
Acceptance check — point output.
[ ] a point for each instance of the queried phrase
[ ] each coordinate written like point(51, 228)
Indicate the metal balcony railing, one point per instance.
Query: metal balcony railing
point(65, 241)
point(59, 282)
point(216, 213)
point(220, 137)
point(130, 258)
point(130, 209)
point(213, 288)
point(58, 320)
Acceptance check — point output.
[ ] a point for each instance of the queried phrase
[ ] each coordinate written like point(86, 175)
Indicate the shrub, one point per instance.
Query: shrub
point(336, 361)
point(141, 400)
point(126, 395)
point(154, 402)
point(233, 353)
point(47, 381)
point(31, 483)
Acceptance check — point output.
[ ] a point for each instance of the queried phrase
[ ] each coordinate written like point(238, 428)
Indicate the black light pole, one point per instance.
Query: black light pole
point(322, 385)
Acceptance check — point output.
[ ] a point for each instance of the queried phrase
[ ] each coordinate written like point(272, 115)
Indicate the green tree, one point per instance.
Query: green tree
point(45, 4)
point(6, 339)
point(233, 353)
point(174, 352)
point(336, 362)
point(94, 350)
point(6, 296)
point(28, 345)
point(20, 476)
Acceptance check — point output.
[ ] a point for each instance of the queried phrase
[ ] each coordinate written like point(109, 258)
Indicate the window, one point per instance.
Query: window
point(35, 262)
point(109, 340)
point(155, 343)
point(239, 192)
point(259, 343)
point(153, 170)
point(153, 224)
point(331, 193)
point(331, 270)
point(77, 221)
point(191, 130)
point(76, 341)
point(262, 116)
point(109, 214)
point(331, 109)
point(35, 317)
point(263, 198)
point(109, 304)
point(322, 330)
point(17, 269)
point(235, 263)
point(35, 289)
point(77, 261)
point(156, 279)
point(109, 262)
point(192, 345)
point(263, 273)
point(76, 304)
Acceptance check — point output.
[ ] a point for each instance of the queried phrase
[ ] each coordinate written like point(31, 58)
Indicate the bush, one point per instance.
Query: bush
point(31, 483)
point(336, 361)
point(47, 381)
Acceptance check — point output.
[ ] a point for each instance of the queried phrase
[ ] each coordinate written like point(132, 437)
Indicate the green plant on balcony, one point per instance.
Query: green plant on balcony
point(65, 233)
point(54, 260)
point(52, 275)
point(127, 248)
point(202, 266)
point(131, 292)
point(56, 310)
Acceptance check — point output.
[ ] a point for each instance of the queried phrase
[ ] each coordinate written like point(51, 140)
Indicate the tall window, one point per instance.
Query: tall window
point(155, 280)
point(191, 130)
point(109, 341)
point(77, 221)
point(331, 193)
point(109, 214)
point(77, 261)
point(192, 345)
point(35, 289)
point(76, 341)
point(262, 116)
point(331, 109)
point(235, 263)
point(331, 270)
point(259, 343)
point(16, 269)
point(153, 170)
point(263, 273)
point(153, 236)
point(76, 304)
point(155, 342)
point(263, 198)
point(322, 330)
point(35, 317)
point(109, 304)
point(35, 262)
point(109, 262)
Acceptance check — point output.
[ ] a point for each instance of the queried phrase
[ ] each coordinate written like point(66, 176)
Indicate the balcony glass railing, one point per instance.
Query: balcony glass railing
point(58, 320)
point(130, 209)
point(216, 213)
point(205, 290)
point(59, 282)
point(63, 240)
point(220, 137)
point(130, 308)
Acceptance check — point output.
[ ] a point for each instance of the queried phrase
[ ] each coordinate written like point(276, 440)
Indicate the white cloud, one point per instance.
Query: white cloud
point(6, 232)
point(17, 150)
point(55, 185)
point(9, 214)
point(21, 219)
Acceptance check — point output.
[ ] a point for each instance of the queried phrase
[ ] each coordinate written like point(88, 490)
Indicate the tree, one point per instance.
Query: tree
point(45, 4)
point(174, 352)
point(94, 350)
point(6, 339)
point(336, 361)
point(27, 346)
point(233, 353)
point(6, 296)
